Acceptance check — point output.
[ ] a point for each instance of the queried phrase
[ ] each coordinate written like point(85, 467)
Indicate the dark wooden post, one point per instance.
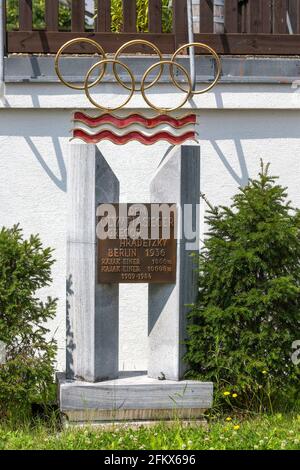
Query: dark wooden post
point(78, 16)
point(155, 16)
point(231, 16)
point(280, 12)
point(51, 15)
point(103, 22)
point(25, 15)
point(180, 22)
point(207, 16)
point(129, 16)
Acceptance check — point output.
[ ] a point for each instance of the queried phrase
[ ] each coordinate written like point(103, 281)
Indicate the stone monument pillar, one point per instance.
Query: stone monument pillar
point(177, 180)
point(92, 308)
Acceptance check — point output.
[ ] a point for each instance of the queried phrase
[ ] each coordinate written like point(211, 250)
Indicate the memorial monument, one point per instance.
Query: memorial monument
point(109, 243)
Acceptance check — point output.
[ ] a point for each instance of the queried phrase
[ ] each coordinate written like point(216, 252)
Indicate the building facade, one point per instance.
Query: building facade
point(252, 114)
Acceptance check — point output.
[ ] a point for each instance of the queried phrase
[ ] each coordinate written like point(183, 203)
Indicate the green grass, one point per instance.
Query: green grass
point(278, 432)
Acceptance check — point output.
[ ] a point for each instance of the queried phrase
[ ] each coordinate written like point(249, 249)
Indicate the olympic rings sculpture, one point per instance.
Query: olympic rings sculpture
point(132, 88)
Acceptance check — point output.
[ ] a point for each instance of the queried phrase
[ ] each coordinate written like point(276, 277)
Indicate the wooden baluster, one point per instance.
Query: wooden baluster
point(25, 15)
point(260, 16)
point(294, 12)
point(180, 29)
point(155, 16)
point(206, 16)
point(129, 16)
point(266, 8)
point(280, 22)
point(231, 16)
point(103, 21)
point(78, 16)
point(51, 15)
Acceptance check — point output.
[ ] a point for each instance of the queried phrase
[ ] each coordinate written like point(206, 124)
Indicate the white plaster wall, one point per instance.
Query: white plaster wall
point(33, 177)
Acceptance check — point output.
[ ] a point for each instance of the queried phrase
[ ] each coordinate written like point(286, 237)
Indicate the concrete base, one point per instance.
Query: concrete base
point(113, 426)
point(133, 397)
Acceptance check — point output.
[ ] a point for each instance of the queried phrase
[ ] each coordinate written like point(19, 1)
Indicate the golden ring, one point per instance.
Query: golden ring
point(188, 93)
point(98, 47)
point(87, 86)
point(214, 54)
point(132, 43)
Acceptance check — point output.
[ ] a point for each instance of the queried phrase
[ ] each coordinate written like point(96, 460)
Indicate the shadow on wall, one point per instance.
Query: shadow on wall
point(235, 126)
point(241, 180)
point(244, 178)
point(61, 180)
point(31, 125)
point(239, 127)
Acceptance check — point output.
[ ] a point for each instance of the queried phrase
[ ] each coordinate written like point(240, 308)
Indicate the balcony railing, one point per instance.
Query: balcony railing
point(259, 27)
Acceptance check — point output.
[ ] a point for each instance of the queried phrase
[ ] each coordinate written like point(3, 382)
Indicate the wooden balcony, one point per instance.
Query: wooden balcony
point(251, 27)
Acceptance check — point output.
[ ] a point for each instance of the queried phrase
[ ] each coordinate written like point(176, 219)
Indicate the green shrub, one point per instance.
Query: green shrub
point(248, 311)
point(28, 368)
point(142, 16)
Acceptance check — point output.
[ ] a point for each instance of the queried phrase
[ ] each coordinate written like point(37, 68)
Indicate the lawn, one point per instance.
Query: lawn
point(277, 432)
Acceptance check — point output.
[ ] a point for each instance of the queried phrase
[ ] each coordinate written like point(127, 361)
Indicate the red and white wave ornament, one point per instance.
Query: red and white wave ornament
point(146, 130)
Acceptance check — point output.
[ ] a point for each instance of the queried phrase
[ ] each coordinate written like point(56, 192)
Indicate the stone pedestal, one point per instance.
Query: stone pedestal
point(177, 181)
point(133, 398)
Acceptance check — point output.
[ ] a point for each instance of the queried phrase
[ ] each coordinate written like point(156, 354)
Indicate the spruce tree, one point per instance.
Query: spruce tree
point(248, 311)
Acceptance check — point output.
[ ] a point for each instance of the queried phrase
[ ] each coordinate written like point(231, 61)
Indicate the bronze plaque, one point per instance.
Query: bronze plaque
point(147, 258)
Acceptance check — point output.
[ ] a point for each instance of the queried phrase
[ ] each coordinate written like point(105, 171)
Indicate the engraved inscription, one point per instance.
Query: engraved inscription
point(122, 259)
